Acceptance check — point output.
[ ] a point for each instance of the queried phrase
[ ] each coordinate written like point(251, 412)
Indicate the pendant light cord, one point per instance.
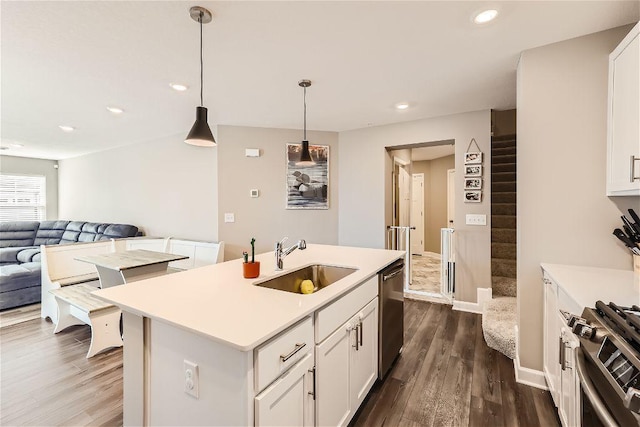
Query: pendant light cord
point(201, 63)
point(305, 112)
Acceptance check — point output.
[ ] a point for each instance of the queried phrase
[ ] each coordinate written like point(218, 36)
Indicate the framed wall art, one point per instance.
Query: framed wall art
point(308, 186)
point(473, 183)
point(473, 170)
point(473, 196)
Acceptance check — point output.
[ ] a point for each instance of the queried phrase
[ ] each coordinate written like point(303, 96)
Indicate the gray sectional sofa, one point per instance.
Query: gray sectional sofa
point(20, 252)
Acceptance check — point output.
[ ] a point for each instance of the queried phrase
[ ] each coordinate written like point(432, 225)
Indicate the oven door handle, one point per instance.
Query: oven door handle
point(590, 391)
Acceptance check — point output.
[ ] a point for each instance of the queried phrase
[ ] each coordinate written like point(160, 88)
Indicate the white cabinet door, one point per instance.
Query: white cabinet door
point(332, 378)
point(623, 139)
point(569, 405)
point(289, 400)
point(551, 332)
point(364, 354)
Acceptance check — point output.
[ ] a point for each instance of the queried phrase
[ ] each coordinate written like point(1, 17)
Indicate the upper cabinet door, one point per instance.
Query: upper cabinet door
point(623, 130)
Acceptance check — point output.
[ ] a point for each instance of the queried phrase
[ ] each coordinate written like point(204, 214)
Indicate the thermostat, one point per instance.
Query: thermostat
point(254, 193)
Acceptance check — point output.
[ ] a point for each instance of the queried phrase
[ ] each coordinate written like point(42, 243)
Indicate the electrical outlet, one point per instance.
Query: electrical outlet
point(191, 378)
point(229, 217)
point(476, 219)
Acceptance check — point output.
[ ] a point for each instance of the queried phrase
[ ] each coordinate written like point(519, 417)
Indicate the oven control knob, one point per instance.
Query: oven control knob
point(632, 400)
point(573, 319)
point(584, 330)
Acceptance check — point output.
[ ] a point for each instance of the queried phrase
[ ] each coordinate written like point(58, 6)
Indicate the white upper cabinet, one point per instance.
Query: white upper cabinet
point(623, 130)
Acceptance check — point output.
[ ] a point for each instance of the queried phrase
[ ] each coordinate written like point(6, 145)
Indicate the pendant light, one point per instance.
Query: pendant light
point(305, 156)
point(200, 133)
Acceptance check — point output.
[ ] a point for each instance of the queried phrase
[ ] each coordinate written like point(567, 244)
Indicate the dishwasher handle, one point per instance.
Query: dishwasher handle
point(386, 277)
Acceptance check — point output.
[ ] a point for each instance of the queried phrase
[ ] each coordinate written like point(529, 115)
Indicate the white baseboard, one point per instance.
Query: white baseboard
point(527, 376)
point(484, 294)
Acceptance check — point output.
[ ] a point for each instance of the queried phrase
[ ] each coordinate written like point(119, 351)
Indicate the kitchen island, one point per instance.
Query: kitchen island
point(199, 343)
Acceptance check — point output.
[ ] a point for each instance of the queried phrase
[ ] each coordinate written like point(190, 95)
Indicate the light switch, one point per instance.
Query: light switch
point(229, 217)
point(476, 219)
point(252, 152)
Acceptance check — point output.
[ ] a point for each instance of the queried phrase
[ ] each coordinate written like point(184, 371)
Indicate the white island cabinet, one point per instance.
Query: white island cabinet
point(623, 130)
point(206, 347)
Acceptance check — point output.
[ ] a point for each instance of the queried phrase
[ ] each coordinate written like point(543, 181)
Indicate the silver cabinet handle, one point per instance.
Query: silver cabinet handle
point(632, 168)
point(298, 347)
point(361, 328)
point(590, 391)
point(560, 351)
point(313, 372)
point(357, 346)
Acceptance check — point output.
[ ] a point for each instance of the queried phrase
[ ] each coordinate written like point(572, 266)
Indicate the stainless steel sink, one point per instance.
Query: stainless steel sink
point(321, 276)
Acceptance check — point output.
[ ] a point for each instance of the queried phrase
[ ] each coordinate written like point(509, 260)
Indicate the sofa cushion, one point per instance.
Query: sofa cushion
point(10, 255)
point(50, 232)
point(71, 233)
point(27, 255)
point(90, 232)
point(18, 276)
point(117, 231)
point(18, 233)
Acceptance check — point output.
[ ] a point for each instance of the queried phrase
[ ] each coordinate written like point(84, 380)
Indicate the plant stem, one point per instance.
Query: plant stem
point(253, 250)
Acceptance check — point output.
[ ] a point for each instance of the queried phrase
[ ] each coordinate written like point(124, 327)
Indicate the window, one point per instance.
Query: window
point(22, 198)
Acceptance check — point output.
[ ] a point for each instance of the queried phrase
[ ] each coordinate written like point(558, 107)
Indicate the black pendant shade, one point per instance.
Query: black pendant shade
point(200, 134)
point(305, 156)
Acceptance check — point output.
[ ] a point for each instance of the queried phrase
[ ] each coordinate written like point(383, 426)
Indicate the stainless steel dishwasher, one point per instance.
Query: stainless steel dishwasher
point(391, 315)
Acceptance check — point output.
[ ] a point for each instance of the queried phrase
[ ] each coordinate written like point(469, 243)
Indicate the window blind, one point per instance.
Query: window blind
point(22, 198)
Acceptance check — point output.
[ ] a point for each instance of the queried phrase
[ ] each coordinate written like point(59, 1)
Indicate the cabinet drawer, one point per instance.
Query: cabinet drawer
point(329, 318)
point(282, 352)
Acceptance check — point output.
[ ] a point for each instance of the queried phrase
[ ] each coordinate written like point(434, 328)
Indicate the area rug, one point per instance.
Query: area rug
point(426, 273)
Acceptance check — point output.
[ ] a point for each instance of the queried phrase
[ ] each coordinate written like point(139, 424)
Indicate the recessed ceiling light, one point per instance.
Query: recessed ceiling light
point(115, 110)
point(178, 87)
point(67, 128)
point(402, 106)
point(485, 16)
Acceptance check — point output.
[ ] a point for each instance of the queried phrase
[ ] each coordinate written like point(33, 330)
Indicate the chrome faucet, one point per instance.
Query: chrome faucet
point(281, 253)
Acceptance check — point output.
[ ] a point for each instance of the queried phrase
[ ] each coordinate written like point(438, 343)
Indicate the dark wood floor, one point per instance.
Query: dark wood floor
point(446, 375)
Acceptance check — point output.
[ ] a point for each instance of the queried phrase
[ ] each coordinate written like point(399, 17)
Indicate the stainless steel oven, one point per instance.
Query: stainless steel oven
point(608, 365)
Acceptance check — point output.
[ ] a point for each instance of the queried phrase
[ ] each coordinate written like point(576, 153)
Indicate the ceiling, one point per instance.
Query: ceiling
point(64, 62)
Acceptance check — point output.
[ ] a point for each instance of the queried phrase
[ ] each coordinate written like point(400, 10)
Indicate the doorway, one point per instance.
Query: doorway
point(423, 205)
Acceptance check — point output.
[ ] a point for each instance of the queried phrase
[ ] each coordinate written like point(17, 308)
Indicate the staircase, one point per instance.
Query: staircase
point(499, 315)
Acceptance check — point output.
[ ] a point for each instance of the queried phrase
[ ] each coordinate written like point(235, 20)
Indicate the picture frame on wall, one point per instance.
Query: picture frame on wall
point(473, 196)
point(473, 170)
point(307, 185)
point(473, 158)
point(473, 183)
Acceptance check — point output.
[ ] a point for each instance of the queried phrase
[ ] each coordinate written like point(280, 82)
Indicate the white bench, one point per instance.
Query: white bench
point(60, 269)
point(76, 306)
point(200, 253)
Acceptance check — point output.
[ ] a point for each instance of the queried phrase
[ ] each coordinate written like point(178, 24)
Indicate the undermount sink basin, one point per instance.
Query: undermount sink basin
point(321, 276)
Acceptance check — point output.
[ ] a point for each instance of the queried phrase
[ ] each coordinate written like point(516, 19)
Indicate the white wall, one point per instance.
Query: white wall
point(365, 189)
point(564, 216)
point(165, 187)
point(29, 166)
point(265, 218)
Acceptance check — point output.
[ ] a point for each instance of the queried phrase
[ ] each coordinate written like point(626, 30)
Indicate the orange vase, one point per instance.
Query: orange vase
point(251, 270)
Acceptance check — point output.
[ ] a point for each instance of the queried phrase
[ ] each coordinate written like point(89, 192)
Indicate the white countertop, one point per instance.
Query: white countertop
point(217, 302)
point(586, 285)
